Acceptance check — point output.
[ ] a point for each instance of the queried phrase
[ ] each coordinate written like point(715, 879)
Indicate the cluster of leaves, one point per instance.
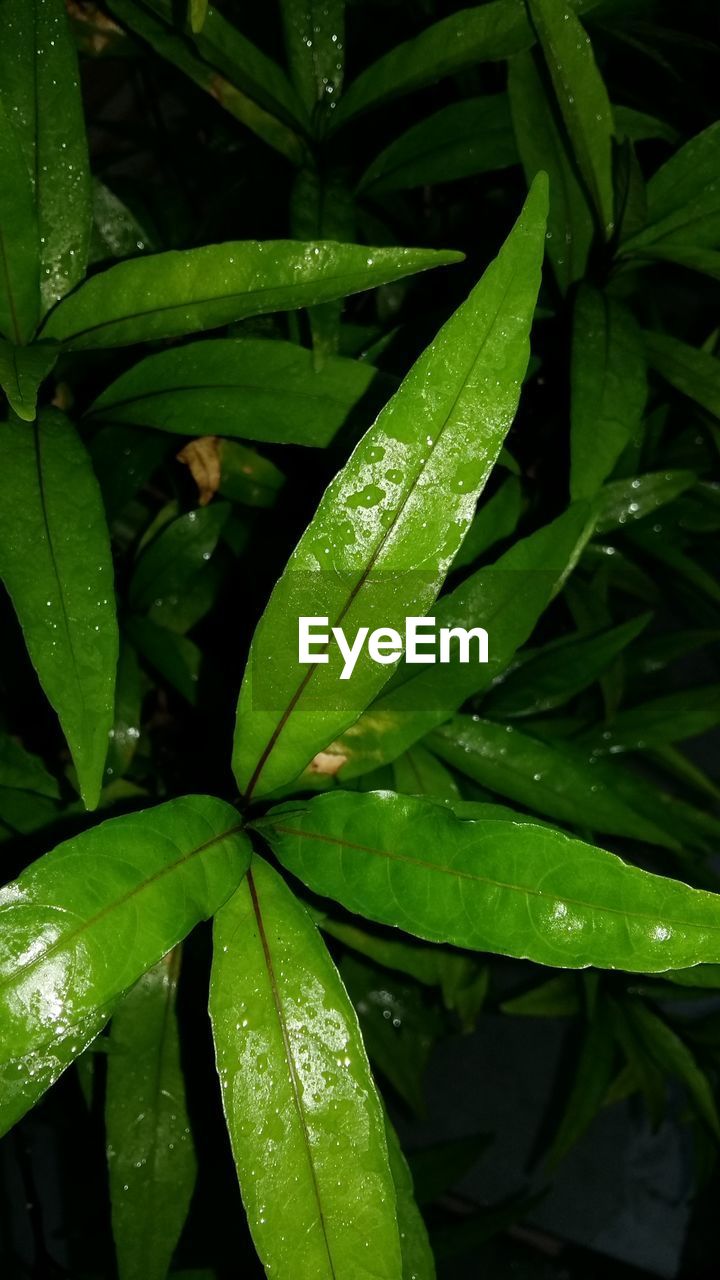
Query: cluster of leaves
point(142, 543)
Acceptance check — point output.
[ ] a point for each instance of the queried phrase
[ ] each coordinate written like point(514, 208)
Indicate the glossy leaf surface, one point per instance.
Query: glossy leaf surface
point(84, 922)
point(315, 44)
point(670, 718)
point(167, 566)
point(304, 1119)
point(19, 256)
point(608, 388)
point(387, 528)
point(165, 295)
point(623, 502)
point(509, 887)
point(41, 95)
point(53, 519)
point(254, 388)
point(474, 136)
point(494, 520)
point(151, 1161)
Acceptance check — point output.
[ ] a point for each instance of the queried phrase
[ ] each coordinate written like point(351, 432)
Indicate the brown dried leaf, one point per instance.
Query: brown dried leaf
point(203, 458)
point(326, 762)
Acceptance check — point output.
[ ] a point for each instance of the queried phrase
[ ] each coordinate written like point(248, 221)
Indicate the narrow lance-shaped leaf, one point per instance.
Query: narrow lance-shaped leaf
point(507, 599)
point(559, 783)
point(582, 98)
point(591, 1081)
point(494, 520)
point(41, 92)
point(694, 372)
point(683, 201)
point(151, 1161)
point(315, 45)
point(670, 718)
point(167, 566)
point(542, 145)
point(624, 502)
point(608, 386)
point(19, 256)
point(256, 388)
point(84, 922)
point(387, 529)
point(509, 887)
point(167, 294)
point(304, 1118)
point(22, 369)
point(417, 1257)
point(484, 33)
point(22, 771)
point(474, 136)
point(55, 562)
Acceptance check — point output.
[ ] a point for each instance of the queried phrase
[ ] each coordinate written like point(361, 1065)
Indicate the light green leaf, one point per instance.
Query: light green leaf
point(684, 199)
point(197, 14)
point(164, 295)
point(419, 773)
point(508, 887)
point(546, 678)
point(484, 33)
point(542, 145)
point(582, 99)
point(19, 250)
point(182, 548)
point(256, 388)
point(474, 136)
point(494, 520)
point(561, 783)
point(82, 924)
point(623, 502)
point(608, 385)
point(670, 718)
point(125, 733)
point(151, 1160)
point(22, 771)
point(694, 372)
point(315, 46)
point(389, 525)
point(305, 1122)
point(22, 369)
point(506, 598)
point(52, 521)
point(41, 94)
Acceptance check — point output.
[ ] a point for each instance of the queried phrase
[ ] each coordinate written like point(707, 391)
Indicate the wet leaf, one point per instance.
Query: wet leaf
point(255, 388)
point(247, 477)
point(151, 1160)
point(671, 718)
point(417, 773)
point(469, 137)
point(305, 1122)
point(22, 370)
point(684, 200)
point(494, 520)
point(389, 525)
point(622, 502)
point(172, 559)
point(116, 231)
point(19, 250)
point(41, 95)
point(417, 1259)
point(582, 99)
point(52, 518)
point(315, 46)
point(125, 733)
point(164, 295)
point(608, 388)
point(84, 922)
point(694, 372)
point(509, 887)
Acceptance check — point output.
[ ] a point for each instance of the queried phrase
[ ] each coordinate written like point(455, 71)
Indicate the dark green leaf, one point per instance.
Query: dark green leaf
point(639, 126)
point(494, 520)
point(315, 44)
point(309, 1143)
point(182, 547)
point(671, 718)
point(500, 886)
point(19, 255)
point(592, 1078)
point(684, 199)
point(125, 733)
point(174, 656)
point(52, 519)
point(84, 922)
point(151, 1161)
point(247, 477)
point(417, 1259)
point(691, 370)
point(24, 772)
point(672, 1057)
point(388, 527)
point(624, 501)
point(165, 295)
point(22, 369)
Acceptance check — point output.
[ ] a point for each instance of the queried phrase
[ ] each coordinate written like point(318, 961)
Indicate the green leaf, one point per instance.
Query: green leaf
point(322, 207)
point(52, 519)
point(485, 33)
point(419, 773)
point(542, 145)
point(563, 784)
point(438, 1168)
point(417, 1259)
point(671, 718)
point(175, 657)
point(41, 93)
point(592, 1078)
point(507, 598)
point(546, 678)
point(256, 388)
point(672, 1057)
point(507, 887)
point(557, 998)
point(246, 476)
point(626, 501)
point(305, 1121)
point(83, 923)
point(494, 520)
point(389, 525)
point(684, 199)
point(116, 231)
point(151, 1161)
point(125, 733)
point(124, 459)
point(22, 771)
point(22, 369)
point(694, 372)
point(474, 136)
point(315, 45)
point(19, 256)
point(707, 261)
point(164, 295)
point(197, 15)
point(171, 560)
point(582, 99)
point(638, 126)
point(608, 386)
